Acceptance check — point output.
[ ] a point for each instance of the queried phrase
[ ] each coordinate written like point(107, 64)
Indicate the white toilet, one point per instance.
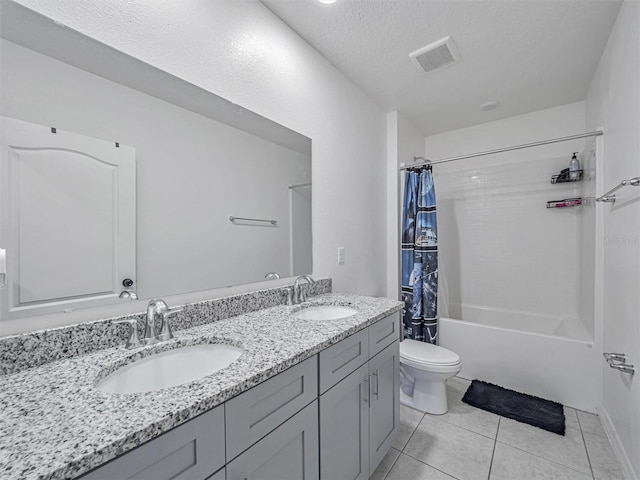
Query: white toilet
point(424, 369)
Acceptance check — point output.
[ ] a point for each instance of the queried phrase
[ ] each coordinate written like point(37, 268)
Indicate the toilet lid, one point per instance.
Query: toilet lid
point(427, 354)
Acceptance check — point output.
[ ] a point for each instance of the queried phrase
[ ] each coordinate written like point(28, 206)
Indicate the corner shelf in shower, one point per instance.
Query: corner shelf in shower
point(565, 179)
point(566, 202)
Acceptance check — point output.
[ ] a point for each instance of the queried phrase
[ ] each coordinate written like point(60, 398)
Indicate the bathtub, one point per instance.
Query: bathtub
point(550, 357)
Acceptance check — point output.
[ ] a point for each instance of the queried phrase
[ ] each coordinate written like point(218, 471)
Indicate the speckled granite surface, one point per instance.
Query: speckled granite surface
point(54, 424)
point(32, 349)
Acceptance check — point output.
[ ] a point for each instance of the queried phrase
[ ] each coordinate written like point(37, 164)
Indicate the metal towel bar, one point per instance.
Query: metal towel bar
point(607, 197)
point(272, 222)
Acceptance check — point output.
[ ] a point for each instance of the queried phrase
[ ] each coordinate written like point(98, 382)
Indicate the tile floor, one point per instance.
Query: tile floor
point(468, 444)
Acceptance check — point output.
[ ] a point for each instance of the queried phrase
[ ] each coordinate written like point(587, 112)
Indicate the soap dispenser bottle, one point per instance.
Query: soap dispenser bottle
point(574, 168)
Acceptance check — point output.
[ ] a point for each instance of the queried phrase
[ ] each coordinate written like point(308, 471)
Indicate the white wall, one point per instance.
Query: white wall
point(613, 102)
point(500, 246)
point(242, 52)
point(403, 143)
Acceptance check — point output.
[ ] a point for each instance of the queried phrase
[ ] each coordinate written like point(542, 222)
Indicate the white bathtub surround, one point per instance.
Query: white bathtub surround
point(547, 365)
point(501, 247)
point(85, 427)
point(519, 276)
point(522, 321)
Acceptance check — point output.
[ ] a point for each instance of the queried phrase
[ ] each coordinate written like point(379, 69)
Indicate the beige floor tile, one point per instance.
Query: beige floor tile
point(407, 468)
point(590, 423)
point(567, 450)
point(385, 465)
point(604, 462)
point(456, 451)
point(409, 420)
point(458, 384)
point(510, 463)
point(472, 418)
point(571, 418)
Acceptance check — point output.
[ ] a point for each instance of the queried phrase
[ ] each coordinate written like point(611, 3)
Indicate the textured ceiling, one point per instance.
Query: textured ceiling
point(528, 55)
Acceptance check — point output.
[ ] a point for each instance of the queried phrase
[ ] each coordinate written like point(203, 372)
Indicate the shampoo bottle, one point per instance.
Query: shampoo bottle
point(574, 167)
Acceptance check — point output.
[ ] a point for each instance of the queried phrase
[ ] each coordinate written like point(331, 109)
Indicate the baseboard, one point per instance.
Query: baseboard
point(618, 448)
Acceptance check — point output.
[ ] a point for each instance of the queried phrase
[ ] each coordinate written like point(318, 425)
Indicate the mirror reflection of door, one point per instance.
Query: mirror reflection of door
point(67, 220)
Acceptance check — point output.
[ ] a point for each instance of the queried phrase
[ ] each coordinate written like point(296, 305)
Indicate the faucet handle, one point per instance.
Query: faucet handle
point(289, 294)
point(134, 340)
point(166, 333)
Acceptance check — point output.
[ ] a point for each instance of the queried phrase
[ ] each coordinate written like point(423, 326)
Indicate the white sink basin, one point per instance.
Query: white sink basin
point(325, 312)
point(171, 368)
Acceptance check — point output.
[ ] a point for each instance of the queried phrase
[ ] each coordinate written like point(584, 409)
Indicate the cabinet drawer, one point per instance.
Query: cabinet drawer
point(383, 333)
point(289, 452)
point(192, 450)
point(256, 412)
point(339, 360)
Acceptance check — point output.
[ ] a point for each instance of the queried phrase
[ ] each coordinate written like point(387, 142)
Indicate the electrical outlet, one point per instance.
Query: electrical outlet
point(340, 255)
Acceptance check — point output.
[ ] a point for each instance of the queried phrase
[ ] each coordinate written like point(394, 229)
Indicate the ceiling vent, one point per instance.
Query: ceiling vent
point(435, 55)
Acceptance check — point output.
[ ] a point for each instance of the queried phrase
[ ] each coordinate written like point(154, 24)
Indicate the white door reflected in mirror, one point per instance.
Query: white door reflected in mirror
point(70, 226)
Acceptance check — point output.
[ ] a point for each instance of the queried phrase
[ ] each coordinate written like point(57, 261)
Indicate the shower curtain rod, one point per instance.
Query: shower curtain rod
point(505, 149)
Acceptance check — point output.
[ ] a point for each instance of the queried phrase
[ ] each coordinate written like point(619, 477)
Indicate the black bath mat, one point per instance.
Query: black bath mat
point(524, 408)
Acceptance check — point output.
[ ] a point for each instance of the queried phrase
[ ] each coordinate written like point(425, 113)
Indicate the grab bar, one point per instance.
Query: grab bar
point(607, 197)
point(272, 222)
point(618, 361)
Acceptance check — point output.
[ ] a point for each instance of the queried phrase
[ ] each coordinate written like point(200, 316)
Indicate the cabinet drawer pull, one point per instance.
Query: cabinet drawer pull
point(377, 386)
point(367, 381)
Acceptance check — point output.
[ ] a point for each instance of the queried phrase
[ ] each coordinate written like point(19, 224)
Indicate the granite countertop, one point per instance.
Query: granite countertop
point(54, 424)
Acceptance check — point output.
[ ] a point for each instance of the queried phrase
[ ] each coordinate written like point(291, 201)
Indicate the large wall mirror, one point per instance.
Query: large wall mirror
point(113, 170)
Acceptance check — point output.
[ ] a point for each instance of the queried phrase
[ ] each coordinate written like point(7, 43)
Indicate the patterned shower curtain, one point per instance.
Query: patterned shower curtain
point(420, 257)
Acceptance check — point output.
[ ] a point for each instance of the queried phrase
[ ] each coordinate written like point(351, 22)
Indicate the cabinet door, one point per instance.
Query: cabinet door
point(344, 428)
point(289, 452)
point(384, 411)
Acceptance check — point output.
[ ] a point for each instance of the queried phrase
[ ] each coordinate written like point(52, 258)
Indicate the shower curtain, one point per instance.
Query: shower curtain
point(420, 257)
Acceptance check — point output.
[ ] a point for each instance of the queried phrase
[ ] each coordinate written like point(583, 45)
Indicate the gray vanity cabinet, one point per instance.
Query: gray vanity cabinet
point(289, 452)
point(281, 429)
point(193, 450)
point(360, 414)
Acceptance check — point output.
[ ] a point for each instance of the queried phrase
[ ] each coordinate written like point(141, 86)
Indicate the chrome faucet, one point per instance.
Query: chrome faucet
point(298, 294)
point(156, 307)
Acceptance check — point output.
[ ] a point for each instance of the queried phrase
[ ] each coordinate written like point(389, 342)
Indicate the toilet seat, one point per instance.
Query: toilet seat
point(427, 356)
